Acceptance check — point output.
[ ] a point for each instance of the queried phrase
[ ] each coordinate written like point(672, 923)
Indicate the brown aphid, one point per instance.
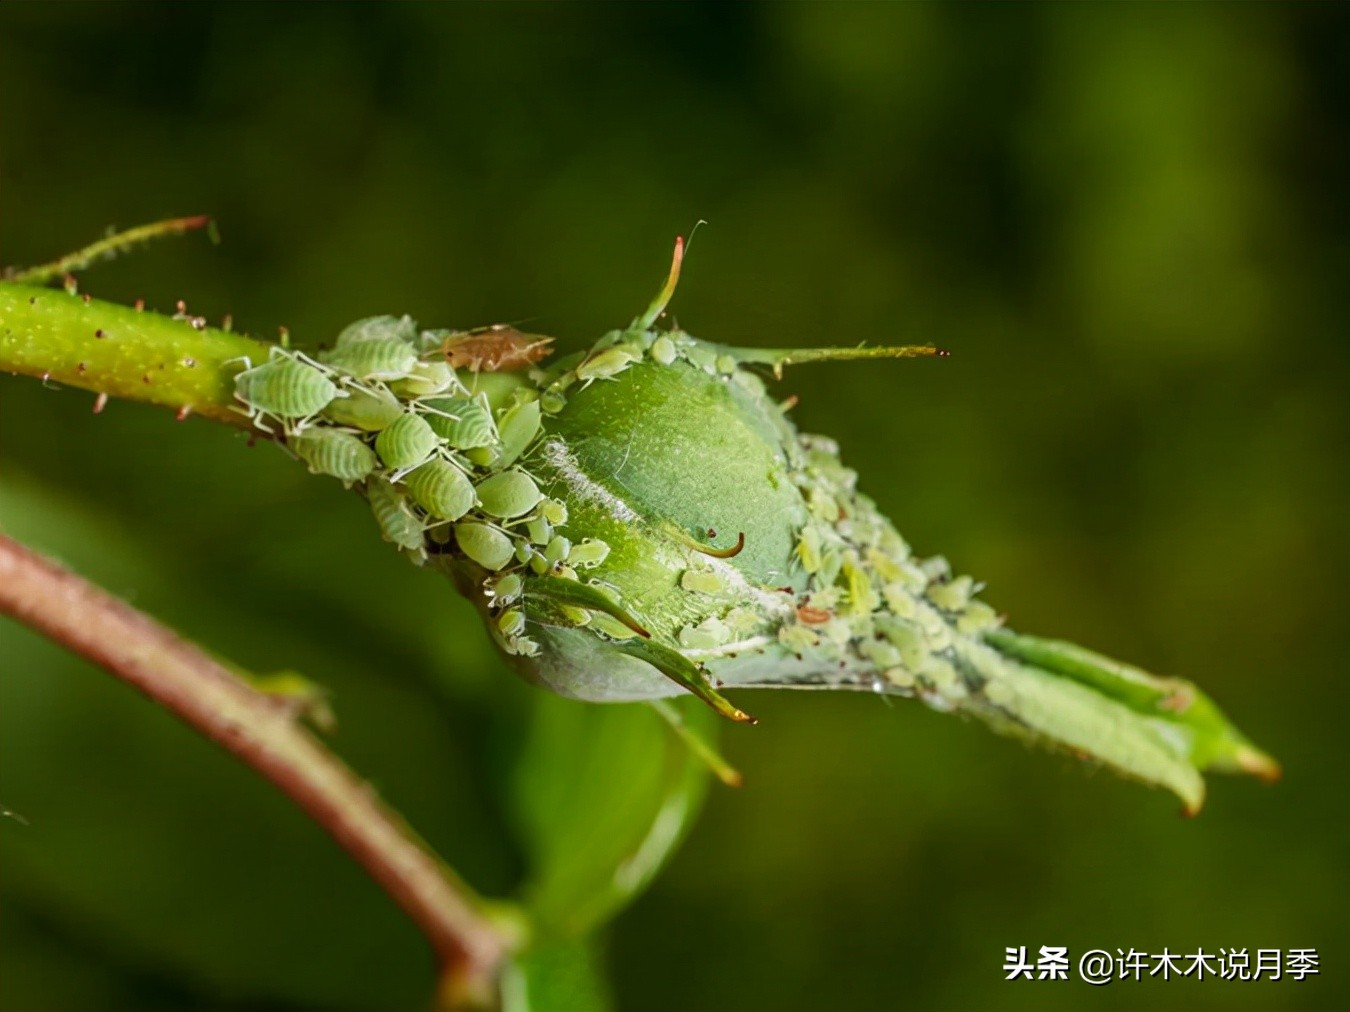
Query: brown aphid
point(499, 348)
point(810, 615)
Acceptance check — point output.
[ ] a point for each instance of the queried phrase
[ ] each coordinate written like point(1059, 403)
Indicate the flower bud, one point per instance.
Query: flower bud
point(664, 528)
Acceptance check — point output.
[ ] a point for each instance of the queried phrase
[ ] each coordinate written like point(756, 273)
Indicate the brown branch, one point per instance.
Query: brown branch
point(90, 622)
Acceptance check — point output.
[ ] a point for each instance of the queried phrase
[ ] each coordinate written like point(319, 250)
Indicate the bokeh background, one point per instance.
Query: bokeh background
point(1128, 224)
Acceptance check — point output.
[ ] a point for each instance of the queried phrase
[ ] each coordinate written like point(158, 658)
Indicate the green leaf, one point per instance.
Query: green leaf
point(556, 976)
point(603, 794)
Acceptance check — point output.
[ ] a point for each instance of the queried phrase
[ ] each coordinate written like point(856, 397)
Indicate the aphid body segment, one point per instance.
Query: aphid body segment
point(509, 494)
point(406, 442)
point(379, 328)
point(463, 422)
point(364, 409)
point(286, 387)
point(398, 523)
point(485, 545)
point(334, 452)
point(499, 348)
point(441, 489)
point(373, 359)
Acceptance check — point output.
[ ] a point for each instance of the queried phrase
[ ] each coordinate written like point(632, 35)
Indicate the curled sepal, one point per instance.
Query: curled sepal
point(684, 673)
point(1198, 727)
point(777, 358)
point(582, 595)
point(698, 746)
point(667, 291)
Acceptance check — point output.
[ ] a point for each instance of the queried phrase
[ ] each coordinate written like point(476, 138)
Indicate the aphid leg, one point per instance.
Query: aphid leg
point(106, 248)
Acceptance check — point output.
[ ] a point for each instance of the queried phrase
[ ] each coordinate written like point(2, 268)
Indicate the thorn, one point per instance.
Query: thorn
point(140, 305)
point(284, 336)
point(788, 403)
point(181, 414)
point(71, 286)
point(100, 402)
point(227, 324)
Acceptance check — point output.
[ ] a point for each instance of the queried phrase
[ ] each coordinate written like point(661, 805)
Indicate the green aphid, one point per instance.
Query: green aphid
point(557, 550)
point(663, 350)
point(367, 410)
point(508, 494)
point(588, 553)
point(441, 489)
point(285, 387)
point(397, 521)
point(463, 422)
point(333, 452)
point(518, 427)
point(552, 401)
point(554, 511)
point(426, 379)
point(485, 545)
point(524, 553)
point(703, 356)
point(511, 622)
point(709, 634)
point(406, 442)
point(507, 589)
point(609, 362)
point(388, 359)
point(379, 328)
point(539, 530)
point(953, 595)
point(702, 581)
point(808, 548)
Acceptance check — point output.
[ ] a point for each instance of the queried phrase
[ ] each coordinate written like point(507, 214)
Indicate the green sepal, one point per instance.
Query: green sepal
point(777, 358)
point(582, 595)
point(685, 673)
point(1212, 742)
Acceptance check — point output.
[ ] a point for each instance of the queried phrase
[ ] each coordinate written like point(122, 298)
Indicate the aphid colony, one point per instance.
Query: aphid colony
point(438, 456)
point(386, 411)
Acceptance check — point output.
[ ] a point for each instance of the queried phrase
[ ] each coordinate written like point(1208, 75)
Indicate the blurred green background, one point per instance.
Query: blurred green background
point(1128, 224)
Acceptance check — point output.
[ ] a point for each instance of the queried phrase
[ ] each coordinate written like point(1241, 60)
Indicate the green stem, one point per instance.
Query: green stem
point(177, 361)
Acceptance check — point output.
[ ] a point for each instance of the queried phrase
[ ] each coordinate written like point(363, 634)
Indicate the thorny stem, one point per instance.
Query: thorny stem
point(118, 351)
point(469, 945)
